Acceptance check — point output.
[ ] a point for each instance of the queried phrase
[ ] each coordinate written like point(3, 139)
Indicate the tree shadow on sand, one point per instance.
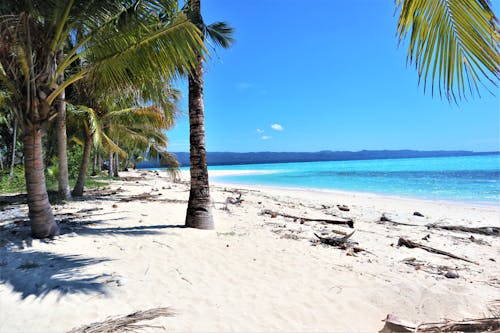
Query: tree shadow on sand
point(38, 273)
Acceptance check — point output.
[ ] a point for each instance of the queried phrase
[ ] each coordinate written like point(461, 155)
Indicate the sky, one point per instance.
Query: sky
point(325, 75)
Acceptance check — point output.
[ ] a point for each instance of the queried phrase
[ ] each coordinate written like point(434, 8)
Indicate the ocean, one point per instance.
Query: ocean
point(465, 179)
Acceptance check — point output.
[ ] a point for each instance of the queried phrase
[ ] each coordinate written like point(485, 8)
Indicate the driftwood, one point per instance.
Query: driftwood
point(334, 241)
point(142, 196)
point(394, 324)
point(348, 222)
point(126, 323)
point(384, 218)
point(410, 244)
point(489, 231)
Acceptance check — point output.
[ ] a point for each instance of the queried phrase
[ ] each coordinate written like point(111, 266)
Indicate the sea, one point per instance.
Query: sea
point(464, 179)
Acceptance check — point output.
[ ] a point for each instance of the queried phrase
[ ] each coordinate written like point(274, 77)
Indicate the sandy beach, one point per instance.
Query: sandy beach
point(124, 249)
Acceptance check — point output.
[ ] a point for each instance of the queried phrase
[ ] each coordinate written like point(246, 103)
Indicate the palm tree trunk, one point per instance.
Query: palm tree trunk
point(80, 182)
point(94, 164)
point(62, 152)
point(13, 156)
point(110, 164)
point(199, 211)
point(116, 164)
point(99, 161)
point(42, 220)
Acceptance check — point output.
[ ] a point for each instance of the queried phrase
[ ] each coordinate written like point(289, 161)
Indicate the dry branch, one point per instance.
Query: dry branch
point(125, 323)
point(394, 324)
point(348, 222)
point(142, 196)
point(489, 231)
point(410, 244)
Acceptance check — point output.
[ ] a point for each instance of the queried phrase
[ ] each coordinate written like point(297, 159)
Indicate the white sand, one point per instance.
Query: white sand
point(249, 274)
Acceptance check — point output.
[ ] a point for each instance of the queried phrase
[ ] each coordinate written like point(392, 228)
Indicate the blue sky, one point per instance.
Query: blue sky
point(325, 75)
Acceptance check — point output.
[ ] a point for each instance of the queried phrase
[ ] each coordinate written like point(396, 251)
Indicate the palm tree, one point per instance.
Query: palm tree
point(127, 122)
point(31, 33)
point(454, 44)
point(199, 211)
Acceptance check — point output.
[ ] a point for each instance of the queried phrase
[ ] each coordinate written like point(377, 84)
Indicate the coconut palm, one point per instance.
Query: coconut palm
point(108, 40)
point(199, 212)
point(454, 44)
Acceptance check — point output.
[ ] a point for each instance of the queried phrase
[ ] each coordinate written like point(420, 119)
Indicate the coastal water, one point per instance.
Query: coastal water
point(469, 178)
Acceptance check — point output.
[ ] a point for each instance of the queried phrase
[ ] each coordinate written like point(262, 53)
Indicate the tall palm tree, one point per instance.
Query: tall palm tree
point(199, 211)
point(31, 33)
point(454, 44)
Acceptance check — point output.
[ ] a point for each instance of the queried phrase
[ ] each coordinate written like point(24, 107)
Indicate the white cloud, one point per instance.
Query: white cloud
point(277, 127)
point(265, 137)
point(244, 86)
point(260, 131)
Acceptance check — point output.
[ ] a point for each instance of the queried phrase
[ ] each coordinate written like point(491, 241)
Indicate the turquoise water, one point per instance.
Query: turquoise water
point(469, 178)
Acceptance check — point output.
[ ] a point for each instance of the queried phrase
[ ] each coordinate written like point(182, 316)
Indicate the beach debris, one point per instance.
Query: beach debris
point(451, 274)
point(334, 241)
point(426, 237)
point(125, 323)
point(142, 196)
point(233, 201)
point(395, 324)
point(410, 244)
point(418, 214)
point(488, 231)
point(114, 206)
point(343, 208)
point(384, 218)
point(341, 221)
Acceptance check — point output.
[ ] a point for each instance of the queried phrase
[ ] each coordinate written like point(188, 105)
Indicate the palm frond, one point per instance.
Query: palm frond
point(453, 43)
point(220, 33)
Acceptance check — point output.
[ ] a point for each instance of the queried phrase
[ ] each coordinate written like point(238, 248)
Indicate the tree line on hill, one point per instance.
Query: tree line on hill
point(230, 158)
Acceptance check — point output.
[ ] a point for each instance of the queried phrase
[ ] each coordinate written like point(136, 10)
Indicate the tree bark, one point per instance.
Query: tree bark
point(199, 211)
point(116, 164)
point(13, 156)
point(42, 220)
point(62, 152)
point(110, 164)
point(94, 164)
point(80, 182)
point(99, 161)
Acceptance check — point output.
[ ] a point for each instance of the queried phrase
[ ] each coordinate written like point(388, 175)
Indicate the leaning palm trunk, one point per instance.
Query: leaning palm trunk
point(199, 211)
point(62, 153)
point(13, 156)
point(80, 182)
point(42, 220)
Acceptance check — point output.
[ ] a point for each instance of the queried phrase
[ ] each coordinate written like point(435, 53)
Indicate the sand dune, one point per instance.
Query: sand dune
point(254, 272)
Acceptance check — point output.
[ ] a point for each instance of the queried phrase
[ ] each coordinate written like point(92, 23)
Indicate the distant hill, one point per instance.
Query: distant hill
point(227, 158)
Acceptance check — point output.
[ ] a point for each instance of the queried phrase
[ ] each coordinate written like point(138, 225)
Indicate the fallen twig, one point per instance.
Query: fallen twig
point(410, 244)
point(125, 323)
point(348, 222)
point(142, 196)
point(394, 324)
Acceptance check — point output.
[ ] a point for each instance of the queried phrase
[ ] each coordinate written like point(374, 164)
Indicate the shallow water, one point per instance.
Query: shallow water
point(469, 178)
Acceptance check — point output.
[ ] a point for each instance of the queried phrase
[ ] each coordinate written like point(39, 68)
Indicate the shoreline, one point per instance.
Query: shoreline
point(125, 249)
point(214, 174)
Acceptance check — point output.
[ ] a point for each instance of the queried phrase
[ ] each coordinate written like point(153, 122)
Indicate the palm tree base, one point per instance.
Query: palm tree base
point(199, 218)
